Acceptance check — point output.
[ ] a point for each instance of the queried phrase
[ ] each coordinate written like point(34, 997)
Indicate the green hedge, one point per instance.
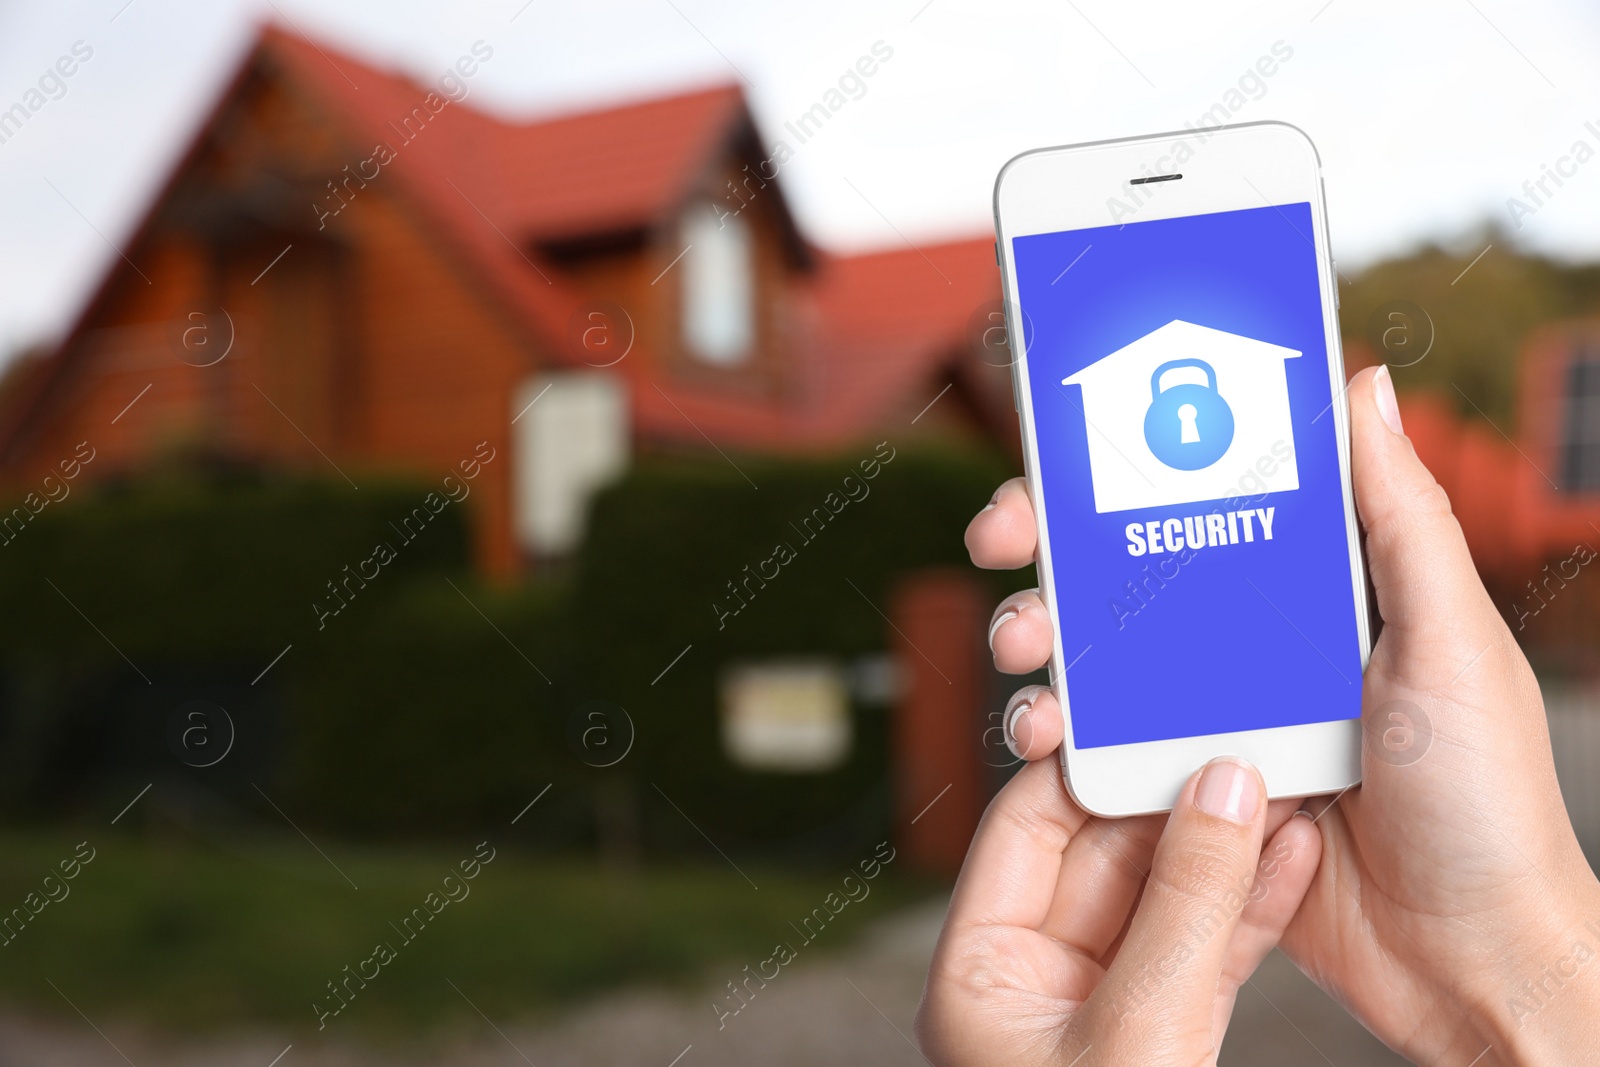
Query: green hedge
point(124, 603)
point(204, 568)
point(411, 711)
point(427, 719)
point(663, 546)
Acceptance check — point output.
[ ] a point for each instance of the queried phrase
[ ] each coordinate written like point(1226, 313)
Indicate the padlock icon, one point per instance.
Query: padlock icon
point(1188, 426)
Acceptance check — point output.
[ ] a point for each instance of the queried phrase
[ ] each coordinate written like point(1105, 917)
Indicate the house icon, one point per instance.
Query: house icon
point(1194, 378)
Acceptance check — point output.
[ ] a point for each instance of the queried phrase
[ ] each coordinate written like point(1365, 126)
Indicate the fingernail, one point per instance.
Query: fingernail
point(994, 627)
point(1303, 812)
point(1383, 396)
point(1229, 790)
point(1020, 718)
point(992, 502)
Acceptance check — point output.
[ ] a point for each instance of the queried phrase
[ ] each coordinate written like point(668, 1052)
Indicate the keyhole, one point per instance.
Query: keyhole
point(1186, 416)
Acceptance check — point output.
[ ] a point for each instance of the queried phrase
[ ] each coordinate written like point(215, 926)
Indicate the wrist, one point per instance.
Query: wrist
point(1543, 1007)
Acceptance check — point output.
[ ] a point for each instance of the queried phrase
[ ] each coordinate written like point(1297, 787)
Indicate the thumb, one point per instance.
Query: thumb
point(1159, 995)
point(1421, 569)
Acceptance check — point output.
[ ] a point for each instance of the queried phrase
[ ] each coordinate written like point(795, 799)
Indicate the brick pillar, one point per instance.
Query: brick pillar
point(940, 619)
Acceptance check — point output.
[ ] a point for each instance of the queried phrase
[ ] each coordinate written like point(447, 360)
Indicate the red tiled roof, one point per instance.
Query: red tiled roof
point(583, 173)
point(882, 321)
point(610, 170)
point(926, 293)
point(496, 188)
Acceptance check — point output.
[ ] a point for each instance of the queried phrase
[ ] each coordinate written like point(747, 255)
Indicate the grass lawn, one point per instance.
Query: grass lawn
point(195, 936)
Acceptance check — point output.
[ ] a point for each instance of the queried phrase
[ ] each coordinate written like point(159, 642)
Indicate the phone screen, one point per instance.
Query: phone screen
point(1188, 461)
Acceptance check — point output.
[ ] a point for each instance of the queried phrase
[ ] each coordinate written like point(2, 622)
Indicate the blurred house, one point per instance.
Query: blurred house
point(352, 273)
point(350, 269)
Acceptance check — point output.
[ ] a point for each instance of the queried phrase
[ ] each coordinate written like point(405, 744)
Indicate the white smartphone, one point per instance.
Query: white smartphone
point(1171, 307)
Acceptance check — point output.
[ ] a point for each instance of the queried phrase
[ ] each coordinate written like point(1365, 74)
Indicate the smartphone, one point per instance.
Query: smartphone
point(1171, 305)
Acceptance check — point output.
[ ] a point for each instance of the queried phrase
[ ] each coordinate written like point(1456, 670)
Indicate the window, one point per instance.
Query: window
point(718, 286)
point(1580, 431)
point(570, 439)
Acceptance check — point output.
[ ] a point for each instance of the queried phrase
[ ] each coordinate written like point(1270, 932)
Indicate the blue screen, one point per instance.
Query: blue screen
point(1195, 594)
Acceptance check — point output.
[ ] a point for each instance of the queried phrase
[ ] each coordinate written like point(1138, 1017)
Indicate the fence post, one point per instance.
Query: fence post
point(938, 634)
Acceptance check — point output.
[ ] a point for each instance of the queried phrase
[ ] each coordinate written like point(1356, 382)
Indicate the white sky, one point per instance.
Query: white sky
point(1428, 114)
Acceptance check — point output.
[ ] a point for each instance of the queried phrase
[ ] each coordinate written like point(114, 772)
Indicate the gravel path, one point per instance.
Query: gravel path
point(849, 1007)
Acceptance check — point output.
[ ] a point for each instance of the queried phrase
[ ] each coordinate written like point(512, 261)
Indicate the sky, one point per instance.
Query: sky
point(1429, 115)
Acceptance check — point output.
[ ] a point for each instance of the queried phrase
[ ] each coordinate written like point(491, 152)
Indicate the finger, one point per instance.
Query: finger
point(1020, 634)
point(1033, 723)
point(1333, 887)
point(1424, 577)
point(1278, 813)
point(1106, 863)
point(1014, 874)
point(1009, 876)
point(1002, 536)
point(1167, 972)
point(1283, 875)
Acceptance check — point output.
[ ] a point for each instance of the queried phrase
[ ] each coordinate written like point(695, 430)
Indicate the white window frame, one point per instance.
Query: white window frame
point(718, 285)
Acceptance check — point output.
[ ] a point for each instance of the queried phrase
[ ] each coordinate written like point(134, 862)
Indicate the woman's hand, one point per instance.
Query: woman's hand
point(1078, 940)
point(1452, 885)
point(1451, 912)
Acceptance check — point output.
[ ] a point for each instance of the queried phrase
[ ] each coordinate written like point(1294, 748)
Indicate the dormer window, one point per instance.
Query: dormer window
point(718, 286)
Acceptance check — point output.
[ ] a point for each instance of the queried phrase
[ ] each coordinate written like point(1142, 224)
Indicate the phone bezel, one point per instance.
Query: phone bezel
point(1224, 168)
